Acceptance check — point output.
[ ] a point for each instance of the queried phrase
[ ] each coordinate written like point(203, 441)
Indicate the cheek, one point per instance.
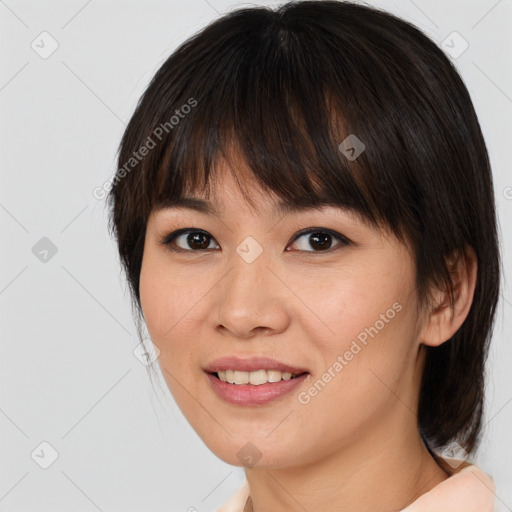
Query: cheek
point(358, 302)
point(164, 305)
point(159, 297)
point(171, 302)
point(154, 300)
point(367, 330)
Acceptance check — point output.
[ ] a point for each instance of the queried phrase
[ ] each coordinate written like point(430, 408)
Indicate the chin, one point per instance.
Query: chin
point(253, 451)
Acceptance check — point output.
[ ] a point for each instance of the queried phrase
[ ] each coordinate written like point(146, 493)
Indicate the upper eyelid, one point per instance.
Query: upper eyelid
point(309, 231)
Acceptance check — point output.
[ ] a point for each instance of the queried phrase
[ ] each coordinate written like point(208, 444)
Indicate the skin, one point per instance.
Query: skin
point(355, 446)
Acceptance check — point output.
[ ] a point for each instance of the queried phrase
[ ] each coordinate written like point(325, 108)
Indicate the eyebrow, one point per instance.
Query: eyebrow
point(191, 203)
point(282, 207)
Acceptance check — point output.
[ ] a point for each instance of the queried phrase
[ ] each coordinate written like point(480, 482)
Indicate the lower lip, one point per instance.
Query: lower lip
point(250, 394)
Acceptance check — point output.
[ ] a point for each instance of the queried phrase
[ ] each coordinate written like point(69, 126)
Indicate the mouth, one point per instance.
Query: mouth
point(253, 381)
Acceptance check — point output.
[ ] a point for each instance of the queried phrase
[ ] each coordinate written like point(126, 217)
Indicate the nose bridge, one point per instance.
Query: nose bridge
point(249, 271)
point(249, 294)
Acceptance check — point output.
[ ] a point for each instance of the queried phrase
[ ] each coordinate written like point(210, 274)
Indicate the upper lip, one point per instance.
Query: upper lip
point(251, 364)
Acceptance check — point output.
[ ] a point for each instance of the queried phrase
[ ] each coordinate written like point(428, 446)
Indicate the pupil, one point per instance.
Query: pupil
point(321, 241)
point(195, 238)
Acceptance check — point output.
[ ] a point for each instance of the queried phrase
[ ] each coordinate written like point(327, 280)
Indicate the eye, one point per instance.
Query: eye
point(196, 240)
point(320, 239)
point(191, 240)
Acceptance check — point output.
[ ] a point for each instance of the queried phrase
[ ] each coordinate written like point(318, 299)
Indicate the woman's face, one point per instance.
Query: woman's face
point(248, 286)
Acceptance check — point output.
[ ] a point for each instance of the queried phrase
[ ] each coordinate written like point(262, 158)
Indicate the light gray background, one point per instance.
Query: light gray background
point(68, 373)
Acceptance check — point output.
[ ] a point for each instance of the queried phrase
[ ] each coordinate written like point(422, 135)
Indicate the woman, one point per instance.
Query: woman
point(304, 210)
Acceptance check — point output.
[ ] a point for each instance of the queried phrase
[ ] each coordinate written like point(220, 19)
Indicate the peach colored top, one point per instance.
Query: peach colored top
point(469, 489)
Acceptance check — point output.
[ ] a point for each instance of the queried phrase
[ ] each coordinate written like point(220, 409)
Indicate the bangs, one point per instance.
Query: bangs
point(264, 147)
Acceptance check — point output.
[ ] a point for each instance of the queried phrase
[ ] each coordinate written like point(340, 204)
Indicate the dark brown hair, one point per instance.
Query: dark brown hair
point(285, 87)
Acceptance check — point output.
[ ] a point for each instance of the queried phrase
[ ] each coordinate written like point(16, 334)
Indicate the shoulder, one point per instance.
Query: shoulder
point(237, 502)
point(468, 489)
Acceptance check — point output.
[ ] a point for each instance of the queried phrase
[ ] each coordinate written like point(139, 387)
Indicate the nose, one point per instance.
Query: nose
point(251, 299)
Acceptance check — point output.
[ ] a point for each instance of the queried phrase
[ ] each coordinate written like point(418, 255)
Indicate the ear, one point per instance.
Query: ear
point(444, 321)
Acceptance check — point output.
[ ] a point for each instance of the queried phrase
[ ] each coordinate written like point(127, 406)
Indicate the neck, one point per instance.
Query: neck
point(372, 474)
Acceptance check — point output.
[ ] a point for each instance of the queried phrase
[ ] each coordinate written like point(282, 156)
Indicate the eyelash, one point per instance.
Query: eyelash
point(171, 237)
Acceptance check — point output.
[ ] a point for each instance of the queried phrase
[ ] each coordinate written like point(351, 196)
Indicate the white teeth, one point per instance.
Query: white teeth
point(241, 377)
point(256, 378)
point(273, 375)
